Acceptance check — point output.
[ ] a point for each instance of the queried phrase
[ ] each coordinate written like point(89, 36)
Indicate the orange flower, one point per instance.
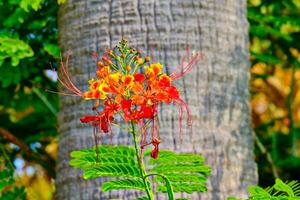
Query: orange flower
point(135, 96)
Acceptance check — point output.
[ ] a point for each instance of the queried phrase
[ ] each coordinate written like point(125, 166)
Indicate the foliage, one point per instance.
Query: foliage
point(8, 190)
point(15, 49)
point(184, 171)
point(275, 46)
point(280, 191)
point(28, 42)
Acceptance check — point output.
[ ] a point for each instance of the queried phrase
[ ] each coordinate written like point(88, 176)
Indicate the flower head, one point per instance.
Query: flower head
point(135, 96)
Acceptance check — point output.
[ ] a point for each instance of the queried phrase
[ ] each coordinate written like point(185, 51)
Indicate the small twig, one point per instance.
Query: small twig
point(11, 138)
point(264, 151)
point(44, 100)
point(42, 160)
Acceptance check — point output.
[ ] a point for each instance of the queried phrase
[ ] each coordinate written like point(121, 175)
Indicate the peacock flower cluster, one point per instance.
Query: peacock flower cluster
point(131, 86)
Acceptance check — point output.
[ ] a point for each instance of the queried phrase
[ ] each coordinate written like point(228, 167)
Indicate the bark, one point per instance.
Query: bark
point(216, 89)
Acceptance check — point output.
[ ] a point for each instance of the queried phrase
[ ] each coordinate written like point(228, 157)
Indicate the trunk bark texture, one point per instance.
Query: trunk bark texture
point(216, 89)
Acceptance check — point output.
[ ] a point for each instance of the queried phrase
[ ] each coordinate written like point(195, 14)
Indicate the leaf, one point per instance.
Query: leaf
point(184, 187)
point(16, 19)
point(263, 31)
point(182, 168)
point(34, 4)
point(53, 50)
point(258, 191)
point(9, 76)
point(265, 58)
point(191, 178)
point(106, 154)
point(281, 186)
point(295, 186)
point(168, 157)
point(135, 184)
point(111, 169)
point(15, 49)
point(184, 171)
point(114, 161)
point(61, 1)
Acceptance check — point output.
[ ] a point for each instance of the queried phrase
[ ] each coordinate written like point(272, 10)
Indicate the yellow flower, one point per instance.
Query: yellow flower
point(128, 79)
point(157, 68)
point(149, 71)
point(140, 61)
point(115, 77)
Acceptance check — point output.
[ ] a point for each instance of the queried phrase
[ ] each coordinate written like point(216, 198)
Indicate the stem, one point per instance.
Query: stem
point(141, 165)
point(168, 185)
point(264, 151)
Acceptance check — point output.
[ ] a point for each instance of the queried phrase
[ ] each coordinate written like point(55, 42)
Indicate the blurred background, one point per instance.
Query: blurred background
point(28, 135)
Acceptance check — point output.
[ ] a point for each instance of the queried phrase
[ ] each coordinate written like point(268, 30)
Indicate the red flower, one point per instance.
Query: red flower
point(155, 142)
point(138, 77)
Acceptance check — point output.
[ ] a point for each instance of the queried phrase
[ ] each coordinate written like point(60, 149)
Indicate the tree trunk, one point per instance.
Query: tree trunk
point(216, 89)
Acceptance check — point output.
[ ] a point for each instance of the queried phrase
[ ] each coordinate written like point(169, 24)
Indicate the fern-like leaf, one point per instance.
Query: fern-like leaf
point(185, 172)
point(184, 187)
point(169, 157)
point(111, 169)
point(113, 161)
point(182, 168)
point(124, 184)
point(279, 191)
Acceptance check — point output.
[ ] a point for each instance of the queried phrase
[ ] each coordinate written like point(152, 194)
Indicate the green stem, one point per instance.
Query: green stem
point(141, 165)
point(168, 185)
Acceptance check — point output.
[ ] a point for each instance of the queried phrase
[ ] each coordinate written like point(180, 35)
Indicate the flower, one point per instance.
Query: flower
point(133, 95)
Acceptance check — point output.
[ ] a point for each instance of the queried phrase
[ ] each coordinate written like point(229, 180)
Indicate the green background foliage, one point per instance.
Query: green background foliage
point(28, 43)
point(275, 43)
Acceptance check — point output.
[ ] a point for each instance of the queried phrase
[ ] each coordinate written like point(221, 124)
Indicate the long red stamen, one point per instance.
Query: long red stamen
point(189, 116)
point(69, 81)
point(184, 67)
point(180, 120)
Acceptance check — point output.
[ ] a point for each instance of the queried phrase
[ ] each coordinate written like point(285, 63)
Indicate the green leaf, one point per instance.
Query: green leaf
point(61, 1)
point(126, 184)
point(168, 157)
point(111, 169)
point(34, 4)
point(16, 19)
point(9, 76)
point(258, 191)
point(266, 58)
point(114, 161)
point(184, 187)
point(15, 49)
point(281, 186)
point(184, 171)
point(53, 50)
point(189, 178)
point(182, 168)
point(106, 154)
point(263, 31)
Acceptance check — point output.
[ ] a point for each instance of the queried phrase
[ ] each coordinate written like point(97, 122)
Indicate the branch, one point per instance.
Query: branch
point(264, 151)
point(42, 160)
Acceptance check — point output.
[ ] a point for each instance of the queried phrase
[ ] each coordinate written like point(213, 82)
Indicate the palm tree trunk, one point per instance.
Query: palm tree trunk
point(216, 89)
